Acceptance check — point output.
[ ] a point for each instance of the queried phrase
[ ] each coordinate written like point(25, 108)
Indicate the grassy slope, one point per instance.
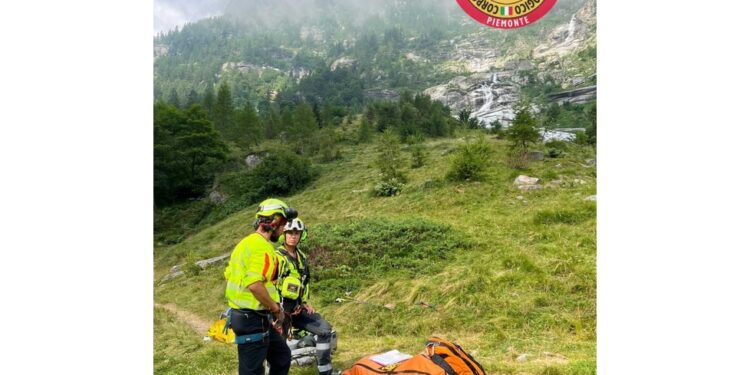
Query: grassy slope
point(528, 286)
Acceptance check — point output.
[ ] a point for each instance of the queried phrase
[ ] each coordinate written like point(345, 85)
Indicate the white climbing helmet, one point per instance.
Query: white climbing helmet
point(295, 224)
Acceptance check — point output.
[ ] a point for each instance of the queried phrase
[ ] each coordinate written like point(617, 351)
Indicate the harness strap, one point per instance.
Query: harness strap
point(228, 323)
point(255, 337)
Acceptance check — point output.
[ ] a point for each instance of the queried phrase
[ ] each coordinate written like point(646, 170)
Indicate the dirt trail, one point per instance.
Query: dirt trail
point(198, 324)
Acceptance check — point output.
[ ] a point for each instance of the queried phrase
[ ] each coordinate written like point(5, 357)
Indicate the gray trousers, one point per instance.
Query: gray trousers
point(316, 325)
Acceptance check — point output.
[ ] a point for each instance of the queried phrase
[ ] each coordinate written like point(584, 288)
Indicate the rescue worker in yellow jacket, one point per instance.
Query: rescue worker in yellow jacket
point(293, 284)
point(256, 314)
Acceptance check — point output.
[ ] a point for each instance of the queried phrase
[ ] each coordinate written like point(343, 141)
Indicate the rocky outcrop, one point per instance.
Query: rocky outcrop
point(160, 50)
point(577, 96)
point(313, 33)
point(473, 55)
point(177, 270)
point(526, 183)
point(414, 57)
point(560, 134)
point(382, 94)
point(343, 62)
point(299, 72)
point(253, 160)
point(536, 155)
point(246, 67)
point(518, 64)
point(567, 38)
point(216, 197)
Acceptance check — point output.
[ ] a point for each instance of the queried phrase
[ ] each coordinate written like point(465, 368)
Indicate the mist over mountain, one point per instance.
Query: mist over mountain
point(287, 50)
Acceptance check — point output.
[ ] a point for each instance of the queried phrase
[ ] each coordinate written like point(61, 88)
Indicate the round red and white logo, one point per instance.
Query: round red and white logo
point(506, 14)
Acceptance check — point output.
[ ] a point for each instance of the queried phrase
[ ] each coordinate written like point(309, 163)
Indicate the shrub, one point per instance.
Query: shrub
point(517, 159)
point(497, 128)
point(581, 138)
point(387, 188)
point(190, 268)
point(282, 173)
point(557, 144)
point(417, 149)
point(343, 256)
point(390, 160)
point(565, 216)
point(555, 153)
point(470, 161)
point(326, 146)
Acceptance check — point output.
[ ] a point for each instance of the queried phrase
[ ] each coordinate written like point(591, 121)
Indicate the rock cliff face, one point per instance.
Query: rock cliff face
point(474, 55)
point(489, 96)
point(577, 96)
point(297, 73)
point(568, 38)
point(160, 50)
point(343, 62)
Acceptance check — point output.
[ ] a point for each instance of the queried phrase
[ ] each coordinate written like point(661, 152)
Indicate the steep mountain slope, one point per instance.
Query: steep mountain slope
point(518, 276)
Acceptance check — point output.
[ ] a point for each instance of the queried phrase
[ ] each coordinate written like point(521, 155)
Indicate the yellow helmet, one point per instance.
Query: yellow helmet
point(272, 206)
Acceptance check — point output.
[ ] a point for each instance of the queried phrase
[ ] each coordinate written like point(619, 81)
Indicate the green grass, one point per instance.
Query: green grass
point(516, 275)
point(179, 350)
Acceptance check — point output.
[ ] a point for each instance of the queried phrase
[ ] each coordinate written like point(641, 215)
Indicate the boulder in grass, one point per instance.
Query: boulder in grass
point(536, 155)
point(529, 187)
point(525, 180)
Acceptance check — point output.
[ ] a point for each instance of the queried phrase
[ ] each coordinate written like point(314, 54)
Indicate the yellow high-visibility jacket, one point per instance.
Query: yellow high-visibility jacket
point(253, 259)
point(293, 272)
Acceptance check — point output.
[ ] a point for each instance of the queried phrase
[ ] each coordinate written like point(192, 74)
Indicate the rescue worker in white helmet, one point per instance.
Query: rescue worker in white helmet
point(256, 315)
point(294, 286)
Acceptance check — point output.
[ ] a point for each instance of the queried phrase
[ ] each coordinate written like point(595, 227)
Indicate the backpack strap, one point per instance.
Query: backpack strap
point(440, 361)
point(475, 367)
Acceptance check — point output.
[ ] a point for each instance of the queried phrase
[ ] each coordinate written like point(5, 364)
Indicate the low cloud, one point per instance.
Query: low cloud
point(169, 14)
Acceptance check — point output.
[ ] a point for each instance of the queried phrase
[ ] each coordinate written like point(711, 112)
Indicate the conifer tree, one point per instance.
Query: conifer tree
point(192, 98)
point(271, 123)
point(390, 159)
point(223, 112)
point(364, 135)
point(209, 99)
point(174, 99)
point(248, 129)
point(523, 129)
point(303, 128)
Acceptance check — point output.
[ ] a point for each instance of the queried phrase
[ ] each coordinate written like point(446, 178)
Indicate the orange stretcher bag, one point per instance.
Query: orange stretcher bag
point(440, 357)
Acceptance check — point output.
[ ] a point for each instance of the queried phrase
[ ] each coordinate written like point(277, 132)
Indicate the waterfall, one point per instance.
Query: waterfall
point(487, 92)
point(571, 29)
